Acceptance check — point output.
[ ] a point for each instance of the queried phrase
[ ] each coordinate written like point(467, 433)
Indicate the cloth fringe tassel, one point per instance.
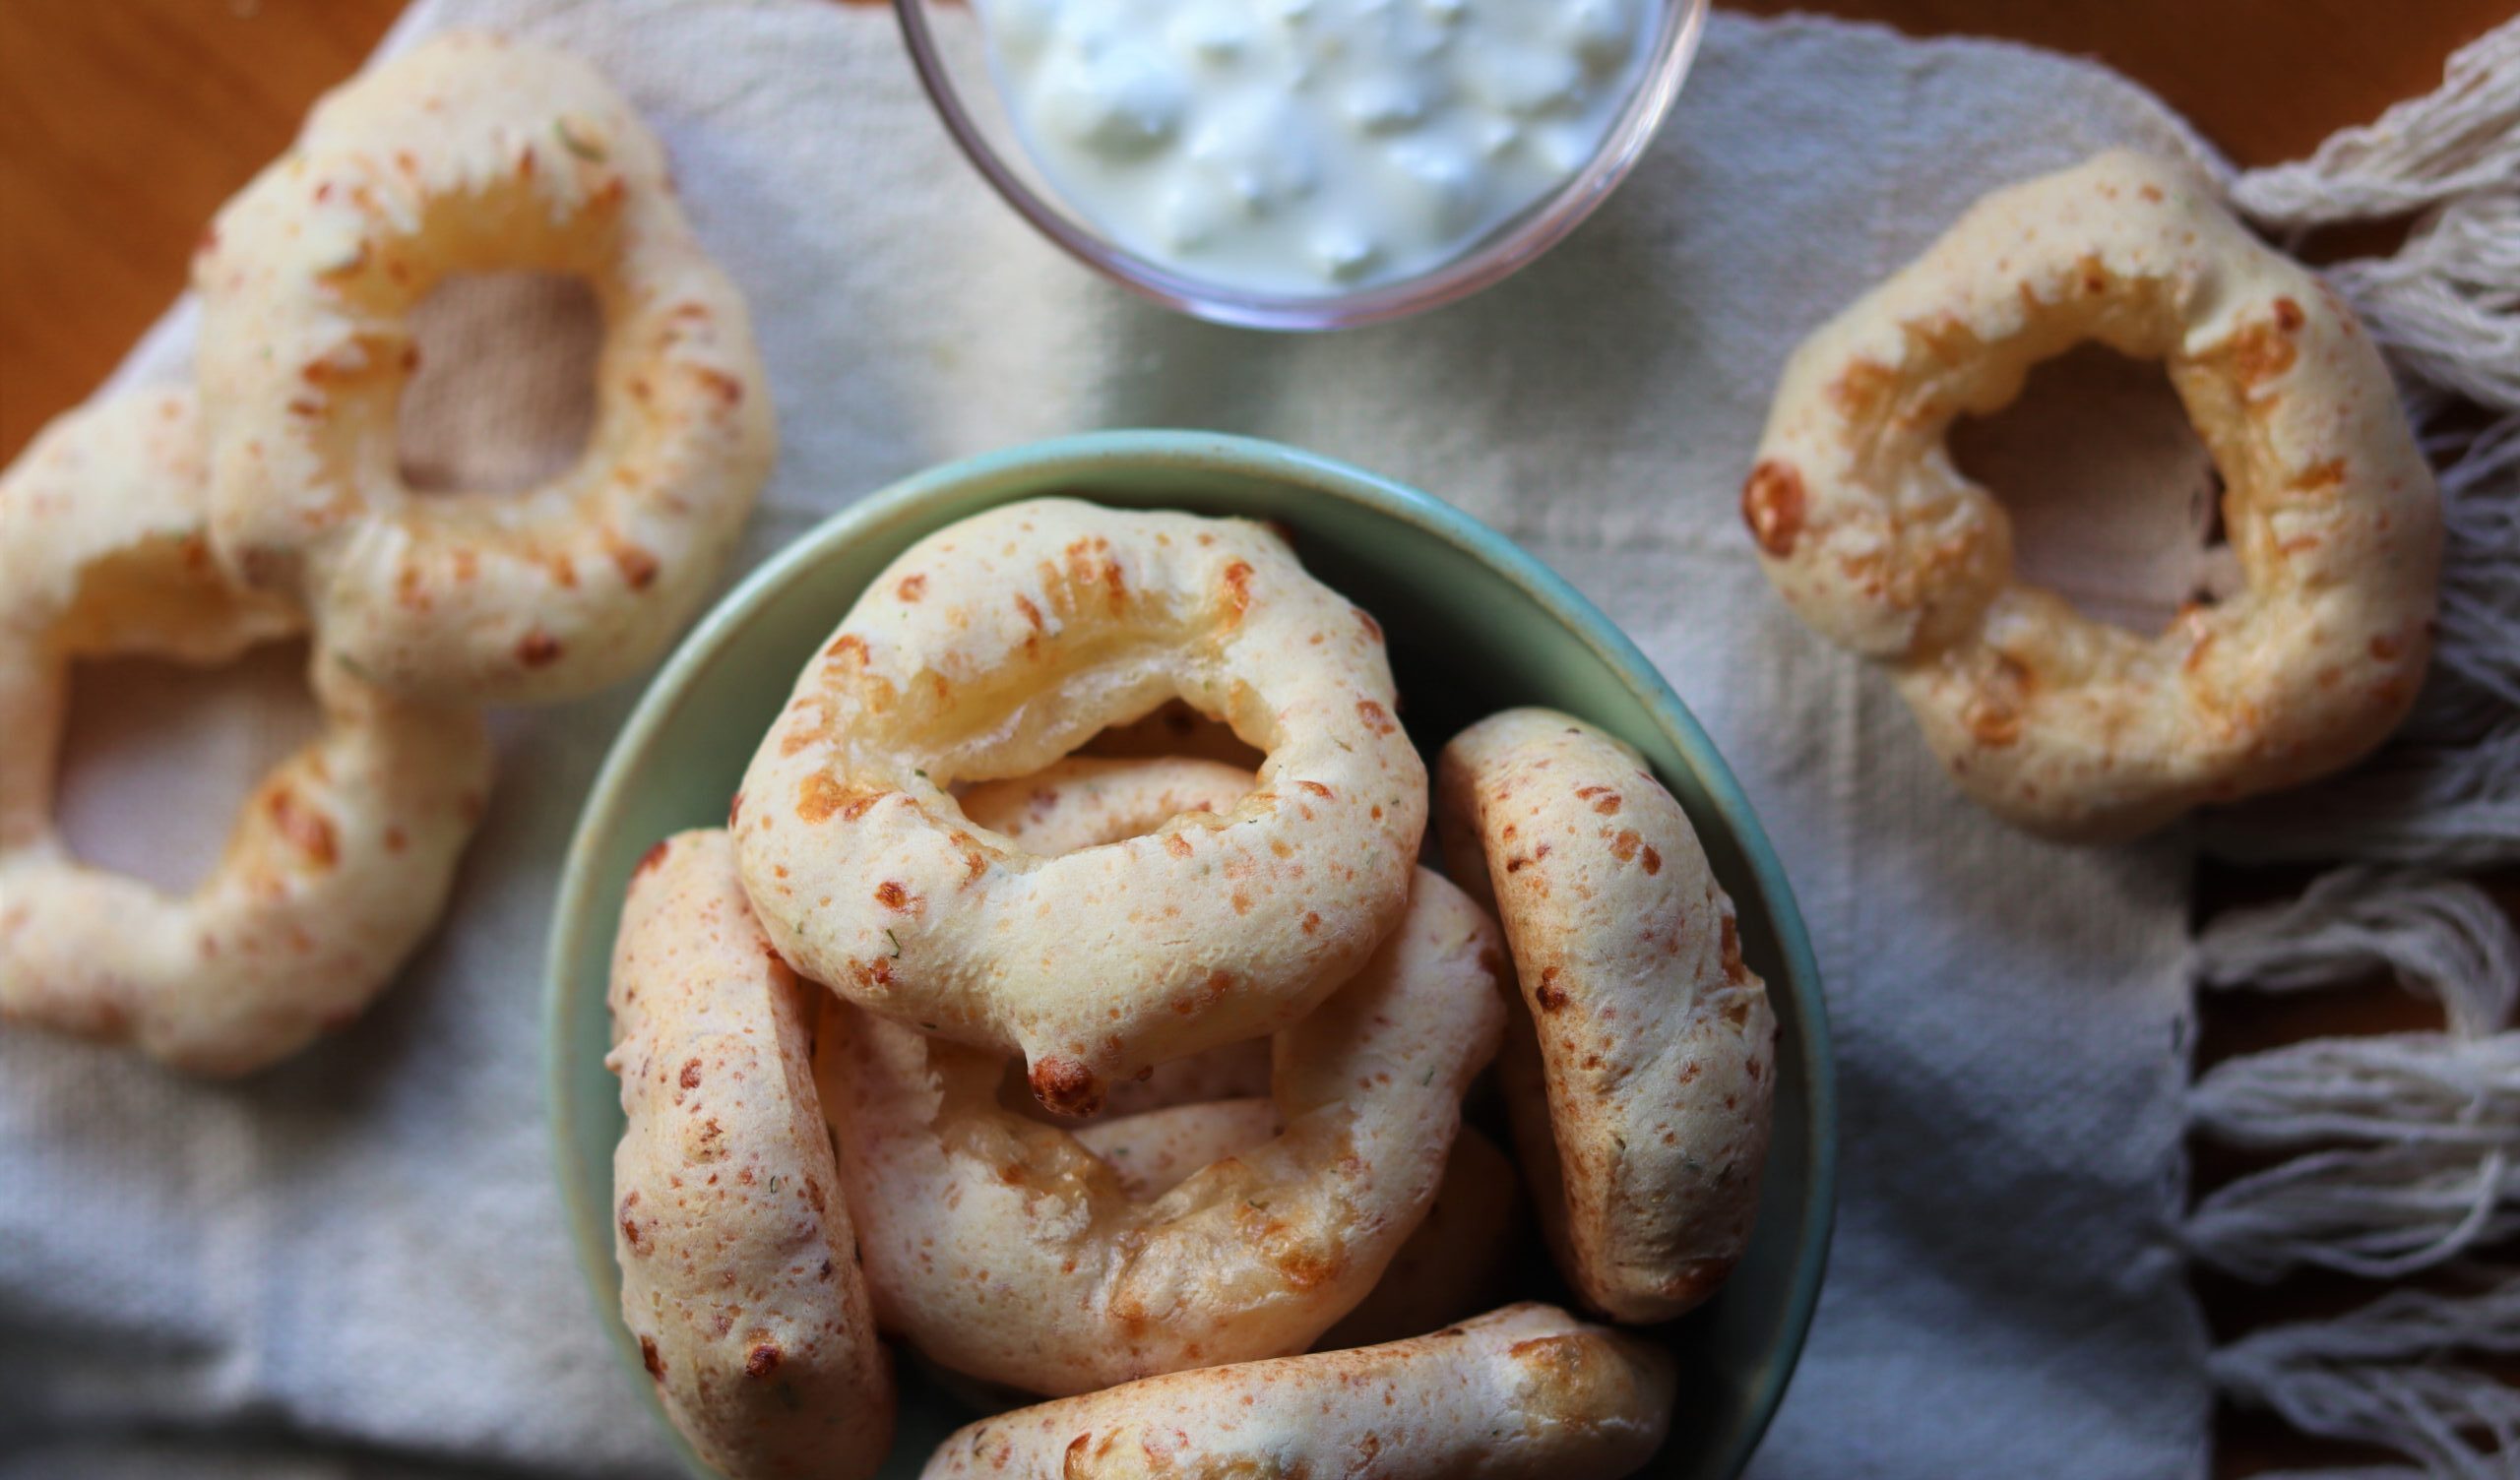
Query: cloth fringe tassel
point(2390, 1373)
point(2401, 1155)
point(2402, 1151)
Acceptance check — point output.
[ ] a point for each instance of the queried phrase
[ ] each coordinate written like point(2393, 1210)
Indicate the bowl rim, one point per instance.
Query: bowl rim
point(590, 1227)
point(1511, 246)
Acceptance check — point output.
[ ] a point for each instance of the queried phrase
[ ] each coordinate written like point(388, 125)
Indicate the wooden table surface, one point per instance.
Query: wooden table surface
point(124, 123)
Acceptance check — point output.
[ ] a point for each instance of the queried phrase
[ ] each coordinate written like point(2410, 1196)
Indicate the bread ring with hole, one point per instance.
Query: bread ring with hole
point(1058, 1281)
point(993, 648)
point(1640, 1074)
point(740, 1275)
point(1525, 1392)
point(340, 860)
point(2066, 725)
point(471, 153)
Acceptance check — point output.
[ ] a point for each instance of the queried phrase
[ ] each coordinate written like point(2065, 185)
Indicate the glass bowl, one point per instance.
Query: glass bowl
point(1442, 584)
point(951, 52)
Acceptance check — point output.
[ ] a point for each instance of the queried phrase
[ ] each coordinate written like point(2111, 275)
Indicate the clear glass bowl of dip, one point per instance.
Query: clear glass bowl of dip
point(950, 50)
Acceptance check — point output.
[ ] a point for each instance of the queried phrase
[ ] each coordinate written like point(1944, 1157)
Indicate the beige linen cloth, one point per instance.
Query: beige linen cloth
point(354, 1265)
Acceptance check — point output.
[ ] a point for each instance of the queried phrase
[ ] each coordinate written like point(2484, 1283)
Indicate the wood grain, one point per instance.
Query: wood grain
point(124, 123)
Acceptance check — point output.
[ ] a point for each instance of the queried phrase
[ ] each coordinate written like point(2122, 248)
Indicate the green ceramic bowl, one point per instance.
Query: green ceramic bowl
point(1474, 624)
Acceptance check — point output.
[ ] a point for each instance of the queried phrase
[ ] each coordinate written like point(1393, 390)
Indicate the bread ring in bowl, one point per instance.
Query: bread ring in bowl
point(739, 1273)
point(1154, 1151)
point(1640, 1075)
point(993, 648)
point(1459, 1261)
point(473, 154)
point(2065, 726)
point(1525, 1392)
point(1089, 801)
point(1004, 1249)
point(340, 858)
point(1453, 1263)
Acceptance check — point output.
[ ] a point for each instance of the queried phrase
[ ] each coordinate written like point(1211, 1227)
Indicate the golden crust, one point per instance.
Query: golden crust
point(1520, 1393)
point(1460, 1259)
point(991, 648)
point(2060, 723)
point(1004, 1249)
point(738, 1275)
point(1453, 1264)
point(1640, 1072)
point(340, 858)
point(473, 154)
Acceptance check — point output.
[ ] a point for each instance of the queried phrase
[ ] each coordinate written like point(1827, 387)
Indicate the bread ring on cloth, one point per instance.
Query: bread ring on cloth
point(340, 860)
point(1639, 1081)
point(2063, 724)
point(992, 649)
point(1004, 1249)
point(1526, 1392)
point(471, 153)
point(740, 1275)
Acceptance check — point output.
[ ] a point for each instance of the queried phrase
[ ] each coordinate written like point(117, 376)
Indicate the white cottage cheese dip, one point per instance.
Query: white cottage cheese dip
point(1311, 147)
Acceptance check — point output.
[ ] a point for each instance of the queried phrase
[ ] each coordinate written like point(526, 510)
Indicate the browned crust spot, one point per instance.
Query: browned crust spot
point(637, 566)
point(1064, 1086)
point(1772, 505)
point(1237, 587)
point(307, 829)
point(538, 649)
point(818, 797)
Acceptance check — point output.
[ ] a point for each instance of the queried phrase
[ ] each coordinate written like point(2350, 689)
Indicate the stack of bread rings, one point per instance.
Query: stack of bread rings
point(265, 503)
point(1064, 998)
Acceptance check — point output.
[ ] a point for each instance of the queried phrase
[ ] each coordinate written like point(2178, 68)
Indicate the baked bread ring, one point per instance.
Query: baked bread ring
point(473, 154)
point(740, 1275)
point(340, 860)
point(2065, 726)
point(1522, 1393)
point(1089, 801)
point(1459, 1260)
point(1154, 1151)
point(1006, 1249)
point(993, 648)
point(1640, 1076)
point(1452, 1265)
